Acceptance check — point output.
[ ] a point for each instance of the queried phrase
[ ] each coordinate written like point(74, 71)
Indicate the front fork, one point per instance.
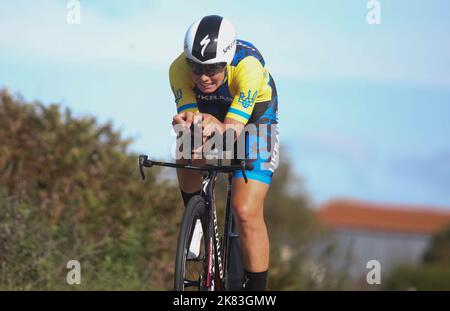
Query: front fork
point(218, 248)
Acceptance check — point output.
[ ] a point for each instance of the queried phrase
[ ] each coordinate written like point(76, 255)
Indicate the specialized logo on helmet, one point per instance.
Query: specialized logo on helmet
point(229, 47)
point(247, 101)
point(204, 43)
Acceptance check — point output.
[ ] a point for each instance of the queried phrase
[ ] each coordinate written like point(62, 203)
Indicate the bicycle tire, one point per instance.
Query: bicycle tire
point(195, 209)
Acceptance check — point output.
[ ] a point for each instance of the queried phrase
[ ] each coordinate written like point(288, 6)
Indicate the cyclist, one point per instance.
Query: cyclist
point(225, 81)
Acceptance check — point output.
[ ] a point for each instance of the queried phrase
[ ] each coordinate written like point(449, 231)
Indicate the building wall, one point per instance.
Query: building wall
point(354, 248)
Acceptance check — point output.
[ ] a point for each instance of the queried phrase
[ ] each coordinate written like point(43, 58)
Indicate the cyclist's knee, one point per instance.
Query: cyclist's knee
point(247, 214)
point(189, 181)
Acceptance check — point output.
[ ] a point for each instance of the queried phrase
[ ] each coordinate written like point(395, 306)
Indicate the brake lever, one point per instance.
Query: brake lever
point(142, 159)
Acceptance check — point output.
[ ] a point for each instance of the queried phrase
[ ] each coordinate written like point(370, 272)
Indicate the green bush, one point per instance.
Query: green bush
point(425, 277)
point(439, 250)
point(70, 190)
point(433, 274)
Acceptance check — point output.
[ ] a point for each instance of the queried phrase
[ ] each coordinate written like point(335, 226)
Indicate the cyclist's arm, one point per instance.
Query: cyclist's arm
point(182, 85)
point(249, 77)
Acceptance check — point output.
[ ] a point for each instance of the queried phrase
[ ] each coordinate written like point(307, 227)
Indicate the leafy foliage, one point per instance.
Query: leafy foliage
point(433, 274)
point(70, 190)
point(424, 277)
point(439, 251)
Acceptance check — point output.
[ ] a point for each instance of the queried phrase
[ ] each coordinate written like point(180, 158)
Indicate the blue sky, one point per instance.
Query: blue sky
point(364, 109)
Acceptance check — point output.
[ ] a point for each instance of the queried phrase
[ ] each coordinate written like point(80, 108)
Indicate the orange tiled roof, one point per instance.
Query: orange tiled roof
point(351, 214)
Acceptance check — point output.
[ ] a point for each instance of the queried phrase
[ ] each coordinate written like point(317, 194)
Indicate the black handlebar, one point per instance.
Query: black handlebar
point(244, 165)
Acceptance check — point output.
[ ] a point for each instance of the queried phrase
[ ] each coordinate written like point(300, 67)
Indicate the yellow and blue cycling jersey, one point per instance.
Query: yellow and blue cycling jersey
point(247, 95)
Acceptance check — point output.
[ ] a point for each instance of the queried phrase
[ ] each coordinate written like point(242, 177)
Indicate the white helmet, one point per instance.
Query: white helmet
point(209, 40)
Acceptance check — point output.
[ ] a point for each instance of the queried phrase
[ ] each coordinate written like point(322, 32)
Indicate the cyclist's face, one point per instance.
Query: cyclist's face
point(208, 78)
point(208, 83)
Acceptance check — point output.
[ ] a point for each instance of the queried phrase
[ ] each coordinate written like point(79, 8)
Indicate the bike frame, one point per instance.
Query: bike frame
point(218, 279)
point(217, 254)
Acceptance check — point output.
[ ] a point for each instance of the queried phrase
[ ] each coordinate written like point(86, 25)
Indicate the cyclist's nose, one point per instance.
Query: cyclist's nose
point(204, 78)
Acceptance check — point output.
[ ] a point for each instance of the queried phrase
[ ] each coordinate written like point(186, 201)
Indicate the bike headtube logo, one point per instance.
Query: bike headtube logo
point(247, 100)
point(204, 43)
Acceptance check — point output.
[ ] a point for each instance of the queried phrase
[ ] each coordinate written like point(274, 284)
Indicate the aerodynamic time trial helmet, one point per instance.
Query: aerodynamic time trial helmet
point(210, 40)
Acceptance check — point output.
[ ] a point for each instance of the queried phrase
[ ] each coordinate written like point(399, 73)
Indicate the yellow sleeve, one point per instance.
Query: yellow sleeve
point(182, 85)
point(247, 82)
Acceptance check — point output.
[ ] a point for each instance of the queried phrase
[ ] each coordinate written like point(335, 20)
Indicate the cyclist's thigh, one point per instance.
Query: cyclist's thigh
point(261, 154)
point(261, 142)
point(247, 199)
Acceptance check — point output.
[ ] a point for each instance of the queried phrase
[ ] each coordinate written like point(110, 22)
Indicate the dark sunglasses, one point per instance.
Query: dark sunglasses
point(207, 69)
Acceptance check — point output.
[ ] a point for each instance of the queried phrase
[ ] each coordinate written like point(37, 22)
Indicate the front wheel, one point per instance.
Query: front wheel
point(193, 255)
